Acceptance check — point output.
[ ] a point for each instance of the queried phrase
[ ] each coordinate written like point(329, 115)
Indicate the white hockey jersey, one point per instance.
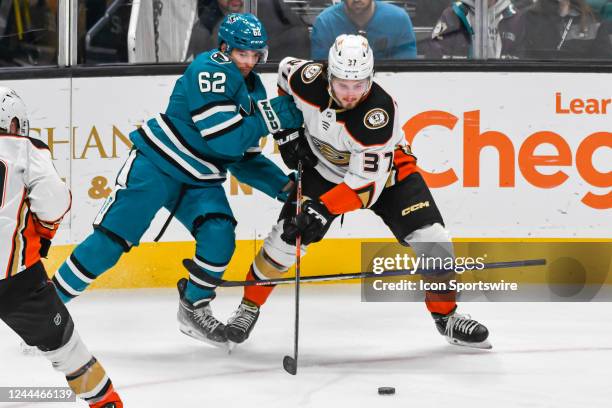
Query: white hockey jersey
point(33, 200)
point(354, 147)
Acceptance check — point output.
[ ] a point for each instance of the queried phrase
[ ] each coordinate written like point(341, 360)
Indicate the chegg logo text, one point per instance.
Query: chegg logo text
point(474, 142)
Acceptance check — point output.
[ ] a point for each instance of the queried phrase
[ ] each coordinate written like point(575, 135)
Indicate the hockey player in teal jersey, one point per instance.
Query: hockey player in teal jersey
point(216, 115)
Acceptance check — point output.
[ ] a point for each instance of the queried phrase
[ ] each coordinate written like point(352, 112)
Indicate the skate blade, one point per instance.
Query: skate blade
point(230, 346)
point(486, 345)
point(196, 336)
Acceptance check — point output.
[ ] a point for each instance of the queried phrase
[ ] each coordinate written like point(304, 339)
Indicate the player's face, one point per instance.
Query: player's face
point(349, 92)
point(245, 60)
point(231, 6)
point(358, 6)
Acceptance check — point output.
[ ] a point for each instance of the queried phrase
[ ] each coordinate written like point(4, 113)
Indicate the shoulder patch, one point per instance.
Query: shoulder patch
point(310, 72)
point(220, 58)
point(376, 118)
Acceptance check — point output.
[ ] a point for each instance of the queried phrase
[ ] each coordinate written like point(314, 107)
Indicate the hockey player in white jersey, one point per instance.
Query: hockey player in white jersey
point(33, 201)
point(354, 157)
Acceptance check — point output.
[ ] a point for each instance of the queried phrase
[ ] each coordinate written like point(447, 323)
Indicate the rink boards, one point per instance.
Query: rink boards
point(508, 156)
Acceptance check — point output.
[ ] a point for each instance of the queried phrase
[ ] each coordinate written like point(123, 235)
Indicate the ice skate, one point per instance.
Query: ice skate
point(461, 330)
point(241, 323)
point(198, 322)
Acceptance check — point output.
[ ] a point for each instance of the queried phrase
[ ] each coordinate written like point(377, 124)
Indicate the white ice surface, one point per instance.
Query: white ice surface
point(544, 355)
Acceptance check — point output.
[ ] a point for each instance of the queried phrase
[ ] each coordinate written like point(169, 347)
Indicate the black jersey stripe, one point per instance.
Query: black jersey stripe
point(171, 160)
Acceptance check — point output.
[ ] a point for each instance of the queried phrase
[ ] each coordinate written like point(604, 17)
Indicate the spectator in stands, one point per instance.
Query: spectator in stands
point(387, 27)
point(453, 35)
point(565, 29)
point(287, 34)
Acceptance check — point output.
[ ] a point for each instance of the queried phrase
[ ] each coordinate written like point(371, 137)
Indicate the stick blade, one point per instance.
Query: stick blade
point(290, 365)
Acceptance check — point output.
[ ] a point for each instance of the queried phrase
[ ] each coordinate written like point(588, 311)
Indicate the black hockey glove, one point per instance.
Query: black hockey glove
point(45, 244)
point(312, 223)
point(294, 147)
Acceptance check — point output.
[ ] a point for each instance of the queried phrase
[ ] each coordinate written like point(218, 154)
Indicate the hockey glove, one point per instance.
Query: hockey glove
point(280, 113)
point(312, 223)
point(294, 147)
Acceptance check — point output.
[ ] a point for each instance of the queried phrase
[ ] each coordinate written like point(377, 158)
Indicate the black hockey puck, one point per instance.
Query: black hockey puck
point(386, 390)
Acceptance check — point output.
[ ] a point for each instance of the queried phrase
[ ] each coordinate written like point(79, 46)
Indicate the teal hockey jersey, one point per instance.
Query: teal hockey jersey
point(210, 126)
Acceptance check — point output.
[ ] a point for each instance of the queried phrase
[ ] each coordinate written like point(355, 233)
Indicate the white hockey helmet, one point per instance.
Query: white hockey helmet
point(12, 107)
point(351, 58)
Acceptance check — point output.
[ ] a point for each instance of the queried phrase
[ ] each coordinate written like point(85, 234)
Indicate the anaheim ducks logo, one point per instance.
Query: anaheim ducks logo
point(332, 155)
point(311, 72)
point(376, 118)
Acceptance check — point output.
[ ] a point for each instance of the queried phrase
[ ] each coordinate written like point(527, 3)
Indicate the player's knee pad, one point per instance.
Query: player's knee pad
point(431, 241)
point(215, 238)
point(276, 255)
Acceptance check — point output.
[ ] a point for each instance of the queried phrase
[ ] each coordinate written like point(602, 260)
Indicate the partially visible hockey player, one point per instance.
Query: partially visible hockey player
point(33, 201)
point(216, 116)
point(355, 156)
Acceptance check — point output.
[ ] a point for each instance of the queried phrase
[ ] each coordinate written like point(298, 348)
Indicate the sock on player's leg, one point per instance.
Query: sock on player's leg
point(90, 259)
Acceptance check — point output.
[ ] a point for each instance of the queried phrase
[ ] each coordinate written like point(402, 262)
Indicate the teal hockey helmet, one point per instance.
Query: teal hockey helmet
point(246, 32)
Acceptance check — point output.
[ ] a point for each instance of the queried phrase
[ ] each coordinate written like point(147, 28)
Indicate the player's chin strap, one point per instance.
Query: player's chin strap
point(179, 199)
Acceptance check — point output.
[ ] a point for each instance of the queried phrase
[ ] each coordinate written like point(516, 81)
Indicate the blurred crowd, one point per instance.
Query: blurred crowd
point(396, 29)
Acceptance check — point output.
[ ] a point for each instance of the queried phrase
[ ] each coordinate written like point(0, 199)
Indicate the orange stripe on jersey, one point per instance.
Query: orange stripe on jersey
point(11, 267)
point(31, 240)
point(404, 162)
point(341, 199)
point(44, 229)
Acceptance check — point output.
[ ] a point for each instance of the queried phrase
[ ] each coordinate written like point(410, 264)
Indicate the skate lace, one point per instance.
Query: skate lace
point(205, 319)
point(460, 323)
point(243, 317)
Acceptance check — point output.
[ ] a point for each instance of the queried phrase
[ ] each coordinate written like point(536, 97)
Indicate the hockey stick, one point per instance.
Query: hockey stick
point(290, 364)
point(190, 265)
